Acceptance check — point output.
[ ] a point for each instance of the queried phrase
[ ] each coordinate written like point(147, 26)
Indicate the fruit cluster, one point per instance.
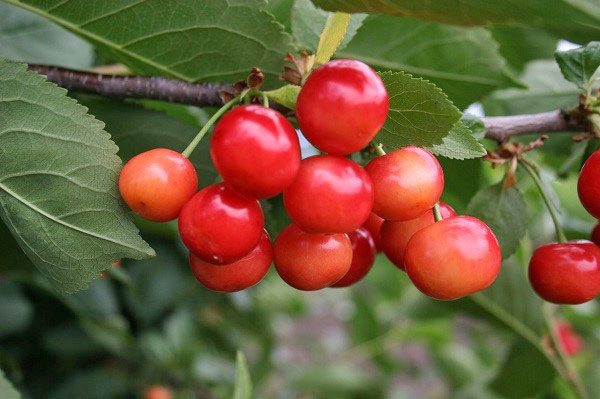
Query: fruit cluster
point(341, 213)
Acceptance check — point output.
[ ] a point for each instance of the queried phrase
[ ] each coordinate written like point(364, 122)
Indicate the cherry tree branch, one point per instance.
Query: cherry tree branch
point(501, 128)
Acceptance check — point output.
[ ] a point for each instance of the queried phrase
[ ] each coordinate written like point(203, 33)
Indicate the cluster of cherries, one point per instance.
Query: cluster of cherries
point(341, 212)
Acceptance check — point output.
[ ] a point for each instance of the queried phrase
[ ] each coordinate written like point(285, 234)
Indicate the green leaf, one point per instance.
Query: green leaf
point(7, 391)
point(12, 259)
point(285, 95)
point(243, 383)
point(27, 37)
point(308, 22)
point(219, 40)
point(464, 62)
point(58, 182)
point(460, 143)
point(574, 20)
point(580, 64)
point(505, 211)
point(16, 311)
point(547, 90)
point(331, 37)
point(420, 113)
point(520, 44)
point(95, 383)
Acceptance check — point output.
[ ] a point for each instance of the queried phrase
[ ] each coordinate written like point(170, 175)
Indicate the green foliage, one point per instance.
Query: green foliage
point(6, 389)
point(520, 44)
point(460, 143)
point(243, 383)
point(580, 64)
point(15, 309)
point(58, 182)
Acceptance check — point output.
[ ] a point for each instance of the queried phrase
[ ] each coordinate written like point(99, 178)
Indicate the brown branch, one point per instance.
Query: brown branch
point(501, 128)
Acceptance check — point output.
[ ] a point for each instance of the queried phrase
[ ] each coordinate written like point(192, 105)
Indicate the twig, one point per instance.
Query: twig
point(501, 128)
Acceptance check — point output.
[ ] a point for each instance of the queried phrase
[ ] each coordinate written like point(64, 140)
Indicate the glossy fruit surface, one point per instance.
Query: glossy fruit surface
point(566, 273)
point(342, 106)
point(588, 185)
point(220, 225)
point(310, 262)
point(256, 150)
point(236, 276)
point(373, 224)
point(157, 183)
point(453, 258)
point(596, 234)
point(331, 194)
point(363, 256)
point(158, 392)
point(395, 235)
point(407, 183)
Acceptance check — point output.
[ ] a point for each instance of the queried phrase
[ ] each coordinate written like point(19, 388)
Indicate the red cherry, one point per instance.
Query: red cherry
point(157, 183)
point(407, 183)
point(596, 234)
point(453, 258)
point(158, 392)
point(570, 341)
point(310, 262)
point(395, 235)
point(342, 106)
point(363, 256)
point(373, 224)
point(330, 194)
point(566, 273)
point(256, 150)
point(588, 185)
point(219, 225)
point(236, 276)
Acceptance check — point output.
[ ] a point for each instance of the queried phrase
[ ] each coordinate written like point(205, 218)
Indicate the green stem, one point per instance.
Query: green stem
point(437, 215)
point(190, 148)
point(264, 99)
point(560, 235)
point(379, 149)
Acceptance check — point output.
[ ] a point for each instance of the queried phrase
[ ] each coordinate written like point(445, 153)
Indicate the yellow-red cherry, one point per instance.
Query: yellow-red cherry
point(256, 150)
point(157, 183)
point(453, 258)
point(566, 273)
point(363, 256)
point(331, 194)
point(395, 235)
point(219, 225)
point(310, 262)
point(341, 106)
point(407, 183)
point(588, 185)
point(238, 275)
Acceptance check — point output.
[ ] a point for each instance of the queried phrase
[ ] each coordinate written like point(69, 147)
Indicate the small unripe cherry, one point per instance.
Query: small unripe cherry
point(310, 262)
point(395, 235)
point(157, 183)
point(331, 194)
point(158, 392)
point(236, 276)
point(363, 256)
point(570, 341)
point(373, 224)
point(588, 185)
point(220, 225)
point(407, 182)
point(596, 234)
point(453, 258)
point(566, 273)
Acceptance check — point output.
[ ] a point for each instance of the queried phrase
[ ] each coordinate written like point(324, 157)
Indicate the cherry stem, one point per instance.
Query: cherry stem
point(560, 235)
point(379, 149)
point(437, 215)
point(264, 99)
point(190, 148)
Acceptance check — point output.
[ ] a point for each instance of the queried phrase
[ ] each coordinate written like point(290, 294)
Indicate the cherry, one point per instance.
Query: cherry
point(158, 392)
point(310, 262)
point(236, 276)
point(588, 185)
point(331, 194)
point(341, 106)
point(220, 225)
point(596, 234)
point(566, 273)
point(157, 183)
point(570, 341)
point(453, 258)
point(373, 224)
point(407, 183)
point(363, 256)
point(395, 235)
point(256, 150)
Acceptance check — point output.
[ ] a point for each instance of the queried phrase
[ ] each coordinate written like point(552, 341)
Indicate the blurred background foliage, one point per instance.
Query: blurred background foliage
point(149, 322)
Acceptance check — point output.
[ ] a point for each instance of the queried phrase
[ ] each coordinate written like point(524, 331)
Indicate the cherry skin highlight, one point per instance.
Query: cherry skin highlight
point(331, 194)
point(453, 258)
point(363, 256)
point(310, 262)
point(588, 185)
point(566, 273)
point(256, 150)
point(407, 183)
point(157, 183)
point(373, 224)
point(395, 235)
point(236, 276)
point(220, 225)
point(596, 235)
point(341, 106)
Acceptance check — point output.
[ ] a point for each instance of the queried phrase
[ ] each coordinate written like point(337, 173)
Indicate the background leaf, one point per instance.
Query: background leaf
point(16, 311)
point(6, 389)
point(580, 64)
point(520, 44)
point(58, 190)
point(243, 383)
